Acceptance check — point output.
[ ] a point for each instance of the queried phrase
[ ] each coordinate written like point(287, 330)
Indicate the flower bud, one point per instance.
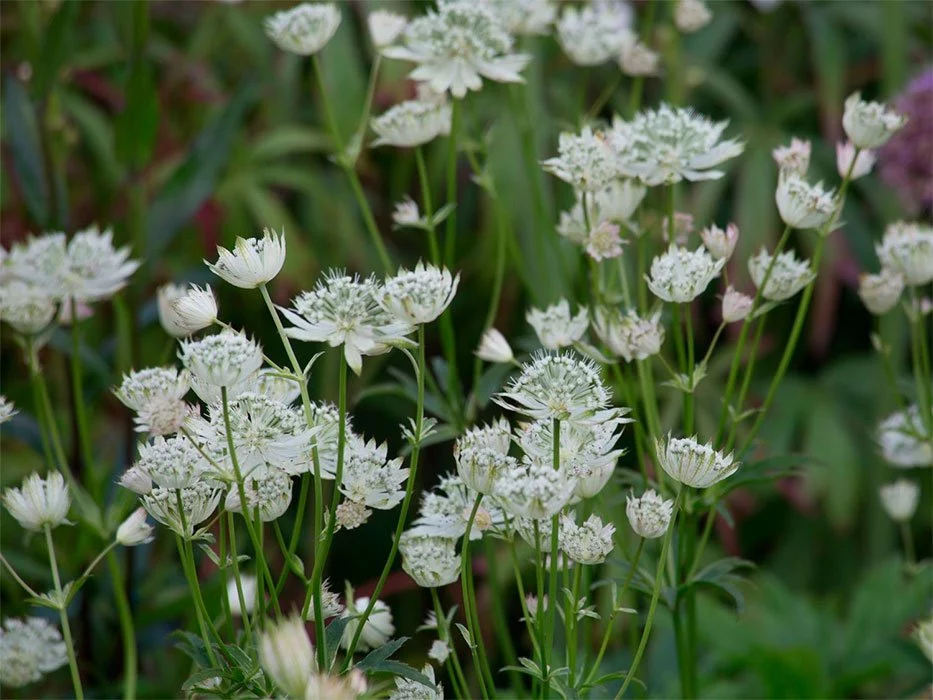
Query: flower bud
point(649, 515)
point(869, 124)
point(385, 27)
point(493, 347)
point(794, 158)
point(845, 153)
point(137, 481)
point(287, 657)
point(880, 292)
point(735, 306)
point(135, 530)
point(691, 15)
point(195, 310)
point(899, 499)
point(719, 243)
point(406, 213)
point(250, 588)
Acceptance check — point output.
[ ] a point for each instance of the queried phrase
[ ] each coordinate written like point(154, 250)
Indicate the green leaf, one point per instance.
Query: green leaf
point(332, 634)
point(374, 658)
point(56, 46)
point(289, 140)
point(137, 125)
point(22, 136)
point(397, 668)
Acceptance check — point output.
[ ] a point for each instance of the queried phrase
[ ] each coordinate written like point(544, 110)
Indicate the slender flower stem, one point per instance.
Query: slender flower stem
point(704, 538)
point(224, 580)
point(908, 539)
point(552, 581)
point(127, 630)
point(63, 615)
point(25, 586)
point(746, 380)
point(461, 687)
point(406, 502)
point(500, 621)
point(655, 595)
point(539, 614)
point(469, 601)
point(428, 207)
point(920, 357)
point(193, 585)
point(450, 235)
point(572, 623)
point(690, 368)
point(237, 579)
point(47, 419)
point(77, 389)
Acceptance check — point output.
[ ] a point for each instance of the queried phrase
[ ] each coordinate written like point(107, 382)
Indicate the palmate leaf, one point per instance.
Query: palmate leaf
point(397, 668)
point(723, 575)
point(332, 634)
point(376, 657)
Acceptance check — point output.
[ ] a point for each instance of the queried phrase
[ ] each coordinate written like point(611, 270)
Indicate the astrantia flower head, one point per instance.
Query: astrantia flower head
point(330, 603)
point(369, 478)
point(351, 515)
point(325, 422)
point(845, 155)
point(493, 347)
point(385, 27)
point(795, 158)
point(39, 502)
point(7, 410)
point(687, 461)
point(456, 46)
point(252, 262)
point(788, 274)
point(904, 441)
point(638, 59)
point(565, 387)
point(222, 360)
point(286, 655)
point(412, 123)
point(172, 464)
point(330, 686)
point(668, 144)
point(604, 242)
point(482, 455)
point(94, 269)
point(908, 249)
point(534, 490)
point(28, 308)
point(869, 124)
point(801, 204)
point(431, 561)
point(649, 514)
point(614, 204)
point(555, 327)
point(268, 490)
point(524, 17)
point(29, 648)
point(421, 295)
point(691, 15)
point(346, 311)
point(594, 33)
point(138, 389)
point(900, 499)
point(274, 385)
point(249, 585)
point(719, 243)
point(137, 481)
point(39, 258)
point(587, 543)
point(735, 305)
point(135, 530)
point(445, 511)
point(439, 651)
point(194, 310)
point(171, 323)
point(881, 292)
point(304, 29)
point(680, 275)
point(406, 213)
point(198, 501)
point(629, 335)
point(377, 630)
point(585, 161)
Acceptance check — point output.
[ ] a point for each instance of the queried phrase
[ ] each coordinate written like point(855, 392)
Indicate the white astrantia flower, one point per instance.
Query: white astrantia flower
point(719, 243)
point(667, 145)
point(691, 15)
point(586, 161)
point(900, 499)
point(649, 514)
point(412, 123)
point(430, 561)
point(908, 249)
point(903, 440)
point(325, 429)
point(565, 387)
point(845, 154)
point(604, 242)
point(534, 490)
point(377, 630)
point(249, 585)
point(194, 310)
point(198, 501)
point(39, 502)
point(881, 292)
point(482, 455)
point(274, 385)
point(168, 319)
point(350, 515)
point(223, 360)
point(629, 335)
point(524, 17)
point(406, 213)
point(637, 59)
point(406, 689)
point(305, 29)
point(369, 478)
point(421, 295)
point(540, 538)
point(252, 262)
point(267, 490)
point(94, 269)
point(788, 274)
point(135, 530)
point(688, 462)
point(29, 648)
point(330, 603)
point(594, 33)
point(28, 308)
point(174, 463)
point(140, 387)
point(286, 655)
point(735, 305)
point(802, 205)
point(869, 124)
point(7, 409)
point(587, 543)
point(556, 327)
point(616, 204)
point(344, 310)
point(439, 651)
point(458, 45)
point(681, 275)
point(793, 159)
point(493, 347)
point(39, 258)
point(137, 481)
point(445, 511)
point(385, 27)
point(163, 416)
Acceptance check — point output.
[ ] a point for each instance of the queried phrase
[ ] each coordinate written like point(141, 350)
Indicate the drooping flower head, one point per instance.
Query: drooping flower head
point(900, 499)
point(305, 29)
point(594, 33)
point(869, 124)
point(848, 163)
point(421, 295)
point(587, 543)
point(668, 144)
point(192, 311)
point(222, 360)
point(430, 561)
point(555, 327)
point(908, 249)
point(252, 262)
point(39, 502)
point(493, 347)
point(649, 514)
point(198, 501)
point(28, 308)
point(801, 204)
point(135, 530)
point(585, 161)
point(735, 305)
point(412, 123)
point(681, 275)
point(29, 648)
point(788, 274)
point(458, 45)
point(343, 310)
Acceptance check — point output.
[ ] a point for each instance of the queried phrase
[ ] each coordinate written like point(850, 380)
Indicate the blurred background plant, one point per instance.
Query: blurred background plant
point(182, 126)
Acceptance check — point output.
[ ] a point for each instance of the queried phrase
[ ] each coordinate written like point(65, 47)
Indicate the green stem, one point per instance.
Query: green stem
point(746, 380)
point(469, 602)
point(126, 627)
point(237, 580)
point(63, 615)
point(688, 396)
point(543, 645)
point(571, 624)
point(908, 539)
point(655, 595)
point(552, 581)
point(457, 679)
point(428, 206)
point(920, 360)
point(500, 621)
point(191, 577)
point(450, 234)
point(25, 586)
point(81, 420)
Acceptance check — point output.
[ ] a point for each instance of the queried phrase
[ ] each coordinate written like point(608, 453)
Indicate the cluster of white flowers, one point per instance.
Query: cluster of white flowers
point(680, 275)
point(788, 274)
point(29, 649)
point(555, 327)
point(595, 33)
point(628, 335)
point(412, 123)
point(904, 441)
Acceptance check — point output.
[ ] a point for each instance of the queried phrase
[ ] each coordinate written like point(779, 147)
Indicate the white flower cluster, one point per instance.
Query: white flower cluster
point(628, 335)
point(29, 649)
point(555, 327)
point(595, 33)
point(904, 441)
point(680, 275)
